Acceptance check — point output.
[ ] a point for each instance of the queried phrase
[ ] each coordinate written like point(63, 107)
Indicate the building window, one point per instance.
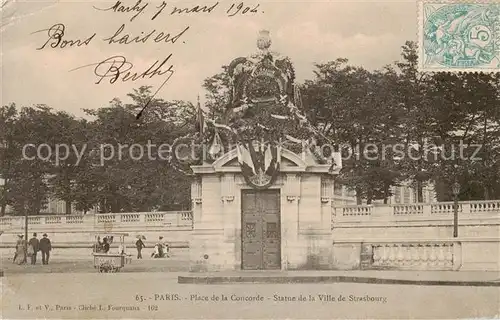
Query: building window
point(338, 189)
point(406, 195)
point(397, 195)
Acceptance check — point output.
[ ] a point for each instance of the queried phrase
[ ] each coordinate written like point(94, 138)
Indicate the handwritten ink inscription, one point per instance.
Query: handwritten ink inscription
point(125, 38)
point(56, 38)
point(119, 7)
point(117, 68)
point(241, 9)
point(185, 10)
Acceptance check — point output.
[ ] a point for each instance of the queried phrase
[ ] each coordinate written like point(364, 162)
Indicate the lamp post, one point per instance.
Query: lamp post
point(25, 225)
point(1, 270)
point(2, 185)
point(456, 192)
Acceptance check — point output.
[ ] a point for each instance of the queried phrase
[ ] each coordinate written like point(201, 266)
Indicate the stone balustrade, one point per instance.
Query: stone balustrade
point(175, 220)
point(377, 236)
point(439, 211)
point(352, 211)
point(436, 255)
point(407, 253)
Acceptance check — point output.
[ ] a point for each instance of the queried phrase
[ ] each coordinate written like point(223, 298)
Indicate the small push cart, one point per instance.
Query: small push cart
point(107, 258)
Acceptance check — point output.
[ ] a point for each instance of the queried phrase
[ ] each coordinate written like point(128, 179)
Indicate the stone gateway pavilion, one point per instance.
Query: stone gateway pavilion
point(265, 203)
point(236, 226)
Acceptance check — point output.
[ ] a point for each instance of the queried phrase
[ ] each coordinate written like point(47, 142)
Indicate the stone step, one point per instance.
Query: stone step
point(285, 279)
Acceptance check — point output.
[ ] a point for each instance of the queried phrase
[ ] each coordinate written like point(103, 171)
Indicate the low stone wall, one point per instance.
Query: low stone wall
point(110, 222)
point(78, 232)
point(404, 254)
point(417, 236)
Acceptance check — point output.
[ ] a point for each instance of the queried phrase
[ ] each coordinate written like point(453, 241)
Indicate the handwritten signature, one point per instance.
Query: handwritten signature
point(118, 68)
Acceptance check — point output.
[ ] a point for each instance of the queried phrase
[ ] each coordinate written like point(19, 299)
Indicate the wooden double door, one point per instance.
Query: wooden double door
point(260, 230)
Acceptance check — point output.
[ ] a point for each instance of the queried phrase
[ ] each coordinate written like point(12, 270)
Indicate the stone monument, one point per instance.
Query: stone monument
point(262, 195)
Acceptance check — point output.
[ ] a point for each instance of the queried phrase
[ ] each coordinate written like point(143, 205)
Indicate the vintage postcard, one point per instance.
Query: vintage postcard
point(250, 159)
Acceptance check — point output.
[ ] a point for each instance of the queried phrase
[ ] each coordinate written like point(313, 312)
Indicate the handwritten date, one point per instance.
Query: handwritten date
point(241, 9)
point(233, 10)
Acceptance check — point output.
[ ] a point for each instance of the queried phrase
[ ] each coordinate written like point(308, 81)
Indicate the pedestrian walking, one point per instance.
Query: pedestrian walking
point(139, 245)
point(33, 247)
point(160, 247)
point(45, 248)
point(20, 256)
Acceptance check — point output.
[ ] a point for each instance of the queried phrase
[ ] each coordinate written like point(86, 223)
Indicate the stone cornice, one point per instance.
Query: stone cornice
point(300, 165)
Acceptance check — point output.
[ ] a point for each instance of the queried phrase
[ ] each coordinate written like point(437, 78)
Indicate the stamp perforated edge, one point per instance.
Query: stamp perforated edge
point(420, 49)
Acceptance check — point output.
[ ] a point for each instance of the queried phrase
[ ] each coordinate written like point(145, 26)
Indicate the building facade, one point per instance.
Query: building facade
point(404, 194)
point(238, 227)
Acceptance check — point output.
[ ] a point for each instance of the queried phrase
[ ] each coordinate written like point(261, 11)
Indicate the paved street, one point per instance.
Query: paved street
point(84, 264)
point(71, 288)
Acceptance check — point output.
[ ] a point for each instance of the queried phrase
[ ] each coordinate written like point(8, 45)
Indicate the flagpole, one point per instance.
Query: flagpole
point(200, 116)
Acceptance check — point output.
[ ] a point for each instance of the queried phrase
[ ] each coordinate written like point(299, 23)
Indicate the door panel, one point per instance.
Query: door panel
point(271, 245)
point(251, 233)
point(261, 236)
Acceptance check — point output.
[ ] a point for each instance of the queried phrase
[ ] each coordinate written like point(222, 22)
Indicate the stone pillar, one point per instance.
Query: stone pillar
point(230, 214)
point(291, 255)
point(310, 204)
point(327, 198)
point(196, 198)
point(314, 223)
point(207, 241)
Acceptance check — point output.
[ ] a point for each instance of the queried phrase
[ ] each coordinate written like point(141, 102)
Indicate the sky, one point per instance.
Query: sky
point(368, 33)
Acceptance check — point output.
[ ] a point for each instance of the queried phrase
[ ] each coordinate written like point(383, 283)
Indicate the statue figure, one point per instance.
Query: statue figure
point(264, 40)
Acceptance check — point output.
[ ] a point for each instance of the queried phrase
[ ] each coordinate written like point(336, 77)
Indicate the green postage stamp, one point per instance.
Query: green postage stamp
point(459, 36)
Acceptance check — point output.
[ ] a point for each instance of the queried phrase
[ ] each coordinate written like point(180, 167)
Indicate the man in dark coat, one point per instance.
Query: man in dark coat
point(139, 245)
point(45, 247)
point(35, 245)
